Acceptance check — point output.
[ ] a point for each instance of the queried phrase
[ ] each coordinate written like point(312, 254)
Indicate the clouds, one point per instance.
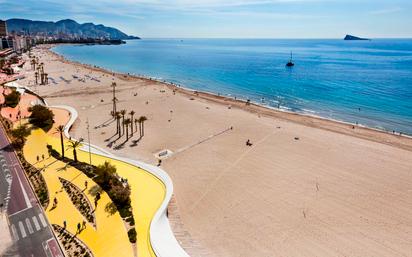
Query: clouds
point(386, 10)
point(227, 18)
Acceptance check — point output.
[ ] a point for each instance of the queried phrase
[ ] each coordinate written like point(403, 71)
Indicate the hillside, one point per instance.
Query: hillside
point(65, 28)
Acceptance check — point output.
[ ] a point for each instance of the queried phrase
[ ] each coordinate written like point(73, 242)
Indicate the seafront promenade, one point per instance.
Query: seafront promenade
point(107, 234)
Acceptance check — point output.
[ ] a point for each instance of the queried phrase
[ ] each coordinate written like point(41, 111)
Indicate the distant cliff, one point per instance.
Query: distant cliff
point(350, 37)
point(65, 29)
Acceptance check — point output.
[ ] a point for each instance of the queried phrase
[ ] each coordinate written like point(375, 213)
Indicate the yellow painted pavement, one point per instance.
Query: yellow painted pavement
point(110, 236)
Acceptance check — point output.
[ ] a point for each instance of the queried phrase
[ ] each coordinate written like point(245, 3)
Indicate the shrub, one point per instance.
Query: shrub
point(41, 117)
point(12, 99)
point(132, 235)
point(120, 195)
point(125, 212)
point(130, 220)
point(20, 134)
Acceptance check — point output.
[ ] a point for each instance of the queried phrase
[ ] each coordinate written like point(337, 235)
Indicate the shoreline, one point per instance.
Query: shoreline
point(314, 121)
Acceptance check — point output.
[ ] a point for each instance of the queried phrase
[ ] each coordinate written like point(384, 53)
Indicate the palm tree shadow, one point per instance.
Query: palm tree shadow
point(8, 148)
point(108, 139)
point(111, 144)
point(64, 168)
point(119, 147)
point(105, 123)
point(135, 143)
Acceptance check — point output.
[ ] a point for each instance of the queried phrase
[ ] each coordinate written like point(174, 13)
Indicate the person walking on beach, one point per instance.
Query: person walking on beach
point(96, 199)
point(84, 225)
point(248, 143)
point(78, 228)
point(64, 224)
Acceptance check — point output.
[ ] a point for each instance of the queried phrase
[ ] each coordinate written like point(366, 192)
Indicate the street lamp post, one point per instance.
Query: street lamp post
point(88, 139)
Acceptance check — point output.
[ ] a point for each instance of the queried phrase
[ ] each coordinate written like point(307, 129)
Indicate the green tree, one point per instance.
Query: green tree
point(41, 117)
point(105, 173)
point(20, 134)
point(120, 194)
point(12, 99)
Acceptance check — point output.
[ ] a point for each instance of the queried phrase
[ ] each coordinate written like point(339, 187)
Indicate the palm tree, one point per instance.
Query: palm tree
point(123, 113)
point(60, 130)
point(114, 85)
point(142, 119)
point(33, 64)
point(135, 123)
point(114, 100)
point(127, 122)
point(132, 113)
point(74, 145)
point(118, 117)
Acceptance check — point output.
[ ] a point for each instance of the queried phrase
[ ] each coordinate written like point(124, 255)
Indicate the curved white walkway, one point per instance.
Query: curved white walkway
point(162, 239)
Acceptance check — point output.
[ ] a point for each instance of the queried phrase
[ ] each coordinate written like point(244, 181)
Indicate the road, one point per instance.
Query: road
point(28, 224)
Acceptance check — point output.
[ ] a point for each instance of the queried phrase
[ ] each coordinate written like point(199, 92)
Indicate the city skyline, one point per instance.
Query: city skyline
point(229, 19)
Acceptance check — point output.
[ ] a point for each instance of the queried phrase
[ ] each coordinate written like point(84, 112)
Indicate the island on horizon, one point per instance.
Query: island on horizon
point(350, 37)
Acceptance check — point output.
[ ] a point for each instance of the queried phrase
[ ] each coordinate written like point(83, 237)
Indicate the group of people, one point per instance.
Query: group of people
point(80, 227)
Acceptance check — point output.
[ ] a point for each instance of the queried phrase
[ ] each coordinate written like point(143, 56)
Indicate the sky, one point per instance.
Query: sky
point(228, 18)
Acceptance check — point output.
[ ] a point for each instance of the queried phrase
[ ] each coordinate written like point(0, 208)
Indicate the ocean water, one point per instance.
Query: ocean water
point(365, 82)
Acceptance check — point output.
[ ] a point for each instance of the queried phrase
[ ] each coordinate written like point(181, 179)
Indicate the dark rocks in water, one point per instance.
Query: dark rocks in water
point(350, 37)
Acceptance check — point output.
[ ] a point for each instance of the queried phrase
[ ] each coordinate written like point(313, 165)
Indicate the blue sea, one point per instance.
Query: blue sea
point(365, 82)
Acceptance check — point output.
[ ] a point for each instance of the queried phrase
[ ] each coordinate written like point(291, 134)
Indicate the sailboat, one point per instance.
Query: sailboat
point(290, 63)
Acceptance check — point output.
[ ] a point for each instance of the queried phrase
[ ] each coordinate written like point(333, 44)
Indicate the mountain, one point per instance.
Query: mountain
point(66, 28)
point(350, 37)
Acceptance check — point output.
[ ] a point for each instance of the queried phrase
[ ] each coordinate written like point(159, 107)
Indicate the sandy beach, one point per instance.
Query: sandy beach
point(305, 187)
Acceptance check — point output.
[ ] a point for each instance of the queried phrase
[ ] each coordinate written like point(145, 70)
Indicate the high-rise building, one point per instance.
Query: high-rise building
point(3, 28)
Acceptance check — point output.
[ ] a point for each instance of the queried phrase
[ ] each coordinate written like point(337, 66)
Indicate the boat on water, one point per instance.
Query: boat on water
point(290, 63)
